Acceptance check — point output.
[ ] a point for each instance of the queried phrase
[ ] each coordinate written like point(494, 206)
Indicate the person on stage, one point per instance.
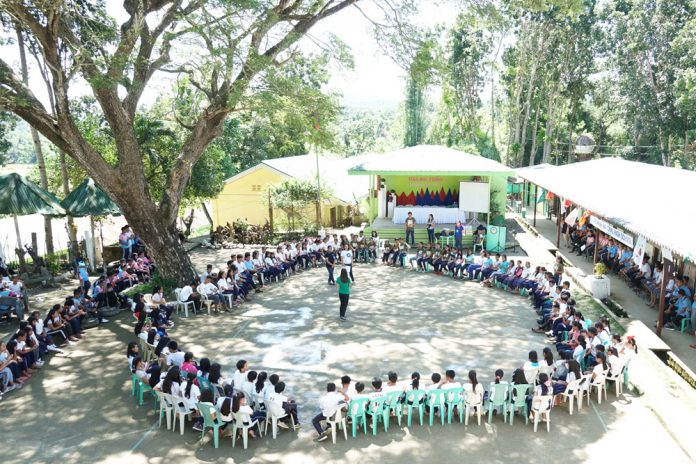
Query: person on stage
point(330, 260)
point(431, 229)
point(410, 225)
point(344, 284)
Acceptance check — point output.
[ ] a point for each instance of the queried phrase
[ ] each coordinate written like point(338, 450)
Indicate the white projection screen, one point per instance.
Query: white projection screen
point(474, 197)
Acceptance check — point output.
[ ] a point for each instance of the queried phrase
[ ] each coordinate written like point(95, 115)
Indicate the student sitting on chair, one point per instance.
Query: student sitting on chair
point(328, 405)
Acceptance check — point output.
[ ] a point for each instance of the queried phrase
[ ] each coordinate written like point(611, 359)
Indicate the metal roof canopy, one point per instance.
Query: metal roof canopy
point(645, 199)
point(430, 160)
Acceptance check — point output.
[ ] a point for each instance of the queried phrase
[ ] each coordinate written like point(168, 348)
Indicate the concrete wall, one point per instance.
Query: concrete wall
point(247, 198)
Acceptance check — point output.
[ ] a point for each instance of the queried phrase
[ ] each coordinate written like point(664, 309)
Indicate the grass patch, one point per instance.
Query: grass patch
point(168, 285)
point(589, 308)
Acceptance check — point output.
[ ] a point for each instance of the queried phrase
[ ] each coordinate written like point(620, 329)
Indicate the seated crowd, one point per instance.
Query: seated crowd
point(546, 377)
point(63, 324)
point(644, 278)
point(196, 384)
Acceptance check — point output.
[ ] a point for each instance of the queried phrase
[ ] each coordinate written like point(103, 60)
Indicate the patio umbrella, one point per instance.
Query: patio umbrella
point(20, 197)
point(89, 200)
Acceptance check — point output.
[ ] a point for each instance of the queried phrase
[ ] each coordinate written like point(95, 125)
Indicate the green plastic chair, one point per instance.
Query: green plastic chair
point(144, 388)
point(207, 411)
point(454, 398)
point(357, 414)
point(376, 410)
point(392, 404)
point(436, 399)
point(497, 397)
point(686, 322)
point(204, 383)
point(415, 399)
point(517, 400)
point(134, 385)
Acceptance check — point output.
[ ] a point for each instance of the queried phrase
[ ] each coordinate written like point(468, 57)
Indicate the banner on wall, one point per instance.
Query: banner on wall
point(612, 231)
point(639, 250)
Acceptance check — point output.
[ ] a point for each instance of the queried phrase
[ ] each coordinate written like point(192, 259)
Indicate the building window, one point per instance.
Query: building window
point(256, 188)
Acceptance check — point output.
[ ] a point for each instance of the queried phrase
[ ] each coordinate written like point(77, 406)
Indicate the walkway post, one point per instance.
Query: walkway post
point(534, 204)
point(666, 274)
point(558, 221)
point(596, 245)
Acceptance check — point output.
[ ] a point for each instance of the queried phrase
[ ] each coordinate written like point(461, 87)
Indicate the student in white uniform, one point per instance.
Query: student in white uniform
point(328, 405)
point(347, 260)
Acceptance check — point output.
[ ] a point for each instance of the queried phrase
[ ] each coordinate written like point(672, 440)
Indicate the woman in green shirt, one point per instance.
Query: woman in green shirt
point(343, 292)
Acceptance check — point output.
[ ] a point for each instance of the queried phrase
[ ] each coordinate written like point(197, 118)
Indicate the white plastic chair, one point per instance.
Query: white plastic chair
point(600, 383)
point(618, 380)
point(147, 298)
point(471, 400)
point(179, 410)
point(338, 419)
point(573, 390)
point(230, 299)
point(242, 422)
point(531, 375)
point(541, 405)
point(165, 407)
point(204, 298)
point(182, 304)
point(273, 415)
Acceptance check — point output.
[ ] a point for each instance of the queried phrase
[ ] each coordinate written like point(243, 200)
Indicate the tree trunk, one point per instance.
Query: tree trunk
point(207, 214)
point(663, 155)
point(48, 230)
point(73, 249)
point(549, 126)
point(162, 241)
point(532, 153)
point(571, 128)
point(528, 104)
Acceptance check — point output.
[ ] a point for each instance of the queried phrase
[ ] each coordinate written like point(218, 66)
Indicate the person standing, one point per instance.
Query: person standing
point(458, 233)
point(410, 225)
point(431, 228)
point(330, 260)
point(343, 293)
point(347, 260)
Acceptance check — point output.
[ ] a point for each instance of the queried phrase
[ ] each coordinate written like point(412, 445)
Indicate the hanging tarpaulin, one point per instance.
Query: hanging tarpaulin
point(542, 197)
point(584, 218)
point(618, 234)
point(639, 250)
point(549, 196)
point(572, 217)
point(667, 254)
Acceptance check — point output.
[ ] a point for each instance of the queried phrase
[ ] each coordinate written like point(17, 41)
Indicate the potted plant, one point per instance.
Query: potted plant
point(599, 270)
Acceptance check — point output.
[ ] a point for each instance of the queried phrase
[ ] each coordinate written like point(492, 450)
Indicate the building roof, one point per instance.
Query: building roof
point(429, 159)
point(333, 173)
point(645, 199)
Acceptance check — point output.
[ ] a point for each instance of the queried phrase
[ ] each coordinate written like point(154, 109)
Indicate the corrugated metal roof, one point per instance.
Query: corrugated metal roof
point(645, 199)
point(430, 159)
point(333, 172)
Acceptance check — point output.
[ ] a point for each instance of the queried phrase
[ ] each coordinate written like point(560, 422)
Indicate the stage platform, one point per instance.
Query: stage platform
point(388, 230)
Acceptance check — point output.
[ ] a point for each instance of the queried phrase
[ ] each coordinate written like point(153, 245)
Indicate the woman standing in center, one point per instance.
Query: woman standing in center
point(343, 292)
point(431, 228)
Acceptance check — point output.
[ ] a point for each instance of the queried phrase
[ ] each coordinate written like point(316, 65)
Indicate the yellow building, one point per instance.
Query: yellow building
point(245, 195)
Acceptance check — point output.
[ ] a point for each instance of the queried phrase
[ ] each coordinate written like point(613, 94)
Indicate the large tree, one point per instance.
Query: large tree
point(223, 48)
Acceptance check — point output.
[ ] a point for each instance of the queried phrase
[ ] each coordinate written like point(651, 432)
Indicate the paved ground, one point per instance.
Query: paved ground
point(79, 408)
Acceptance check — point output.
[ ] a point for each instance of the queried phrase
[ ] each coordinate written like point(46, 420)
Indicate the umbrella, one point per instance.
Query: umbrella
point(89, 200)
point(20, 197)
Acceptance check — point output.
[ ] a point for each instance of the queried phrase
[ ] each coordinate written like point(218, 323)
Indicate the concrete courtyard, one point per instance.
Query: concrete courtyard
point(78, 408)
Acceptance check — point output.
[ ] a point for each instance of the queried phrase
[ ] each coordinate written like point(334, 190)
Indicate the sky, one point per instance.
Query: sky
point(375, 81)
